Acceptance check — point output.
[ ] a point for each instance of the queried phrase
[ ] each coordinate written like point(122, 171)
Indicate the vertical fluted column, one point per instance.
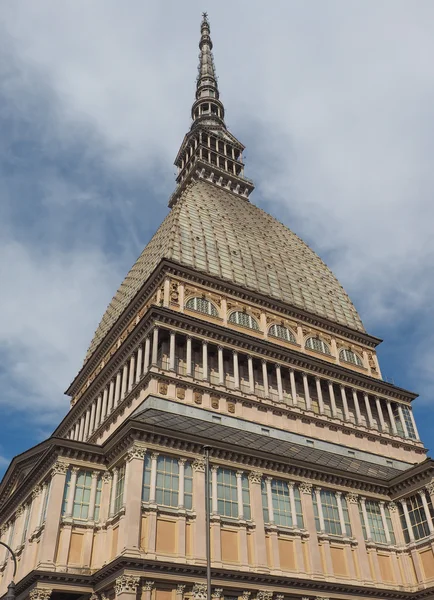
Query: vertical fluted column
point(341, 513)
point(403, 423)
point(113, 494)
point(124, 381)
point(133, 490)
point(391, 417)
point(239, 475)
point(427, 511)
point(98, 411)
point(139, 362)
point(92, 418)
point(188, 356)
point(306, 392)
point(172, 345)
point(384, 521)
point(345, 403)
point(319, 506)
point(369, 411)
point(221, 366)
point(292, 503)
point(181, 487)
point(259, 546)
point(111, 400)
point(265, 378)
point(279, 383)
point(214, 505)
point(268, 481)
point(81, 430)
point(76, 430)
point(251, 375)
point(293, 386)
point(357, 408)
point(319, 394)
point(86, 425)
point(155, 347)
point(48, 543)
point(236, 370)
point(416, 432)
point(205, 360)
point(407, 519)
point(147, 357)
point(71, 492)
point(365, 517)
point(132, 372)
point(380, 413)
point(199, 507)
point(309, 518)
point(153, 482)
point(117, 393)
point(332, 400)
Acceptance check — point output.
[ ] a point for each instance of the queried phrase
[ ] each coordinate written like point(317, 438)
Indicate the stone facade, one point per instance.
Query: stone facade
point(320, 485)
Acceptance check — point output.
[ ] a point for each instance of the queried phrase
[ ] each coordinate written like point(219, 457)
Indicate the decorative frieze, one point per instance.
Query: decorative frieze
point(126, 584)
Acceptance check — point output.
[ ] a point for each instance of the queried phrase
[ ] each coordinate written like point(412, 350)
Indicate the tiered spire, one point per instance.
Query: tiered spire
point(209, 151)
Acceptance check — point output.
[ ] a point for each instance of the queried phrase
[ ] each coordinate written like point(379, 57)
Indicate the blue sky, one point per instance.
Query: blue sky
point(334, 104)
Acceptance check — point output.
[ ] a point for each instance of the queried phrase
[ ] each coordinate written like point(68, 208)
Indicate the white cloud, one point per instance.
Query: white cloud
point(335, 102)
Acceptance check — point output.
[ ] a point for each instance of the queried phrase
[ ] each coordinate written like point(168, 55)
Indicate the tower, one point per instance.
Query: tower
point(228, 332)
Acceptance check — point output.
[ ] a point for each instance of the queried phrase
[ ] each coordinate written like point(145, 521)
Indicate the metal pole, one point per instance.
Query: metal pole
point(208, 524)
point(10, 595)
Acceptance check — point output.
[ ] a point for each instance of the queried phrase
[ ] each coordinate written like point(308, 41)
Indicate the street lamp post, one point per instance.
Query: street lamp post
point(10, 595)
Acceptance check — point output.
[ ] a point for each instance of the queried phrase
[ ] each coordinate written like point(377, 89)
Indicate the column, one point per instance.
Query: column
point(172, 351)
point(426, 509)
point(279, 383)
point(153, 482)
point(147, 357)
point(292, 504)
point(293, 386)
point(41, 504)
point(113, 494)
point(319, 394)
point(48, 545)
point(86, 425)
point(407, 519)
point(240, 494)
point(126, 587)
point(345, 403)
point(139, 362)
point(259, 546)
point(369, 411)
point(124, 381)
point(155, 347)
point(357, 407)
point(332, 400)
point(380, 413)
point(306, 392)
point(76, 430)
point(188, 359)
point(131, 375)
point(181, 488)
point(236, 370)
point(341, 513)
point(410, 412)
point(92, 497)
point(309, 523)
point(268, 481)
point(98, 411)
point(356, 525)
point(133, 508)
point(404, 424)
point(111, 400)
point(265, 378)
point(71, 492)
point(214, 505)
point(81, 430)
point(251, 375)
point(391, 417)
point(365, 517)
point(118, 388)
point(319, 506)
point(205, 360)
point(199, 508)
point(92, 418)
point(384, 521)
point(104, 407)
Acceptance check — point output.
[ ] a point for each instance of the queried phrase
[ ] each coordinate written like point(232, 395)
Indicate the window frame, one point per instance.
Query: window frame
point(290, 334)
point(212, 309)
point(234, 319)
point(323, 346)
point(344, 353)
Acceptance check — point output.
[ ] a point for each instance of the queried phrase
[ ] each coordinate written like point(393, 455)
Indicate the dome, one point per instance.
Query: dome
point(217, 233)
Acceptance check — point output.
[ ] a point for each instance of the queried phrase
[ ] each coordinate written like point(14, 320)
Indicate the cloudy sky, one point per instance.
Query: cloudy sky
point(334, 101)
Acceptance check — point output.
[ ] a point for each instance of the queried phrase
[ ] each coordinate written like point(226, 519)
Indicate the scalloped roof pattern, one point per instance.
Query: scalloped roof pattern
point(214, 232)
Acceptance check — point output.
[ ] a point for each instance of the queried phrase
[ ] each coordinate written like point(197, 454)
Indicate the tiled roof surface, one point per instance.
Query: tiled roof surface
point(206, 431)
point(217, 233)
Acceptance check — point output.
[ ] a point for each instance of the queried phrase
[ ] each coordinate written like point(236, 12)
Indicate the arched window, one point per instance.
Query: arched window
point(202, 305)
point(243, 319)
point(350, 357)
point(282, 332)
point(317, 344)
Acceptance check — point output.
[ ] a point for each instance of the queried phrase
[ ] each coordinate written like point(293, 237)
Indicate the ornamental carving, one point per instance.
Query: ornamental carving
point(136, 452)
point(107, 477)
point(199, 465)
point(20, 510)
point(217, 593)
point(162, 388)
point(231, 407)
point(180, 393)
point(60, 468)
point(279, 597)
point(197, 397)
point(392, 507)
point(148, 586)
point(199, 591)
point(430, 488)
point(255, 477)
point(174, 293)
point(40, 594)
point(264, 595)
point(180, 589)
point(37, 491)
point(215, 401)
point(94, 596)
point(305, 487)
point(126, 583)
point(3, 530)
point(352, 498)
point(246, 595)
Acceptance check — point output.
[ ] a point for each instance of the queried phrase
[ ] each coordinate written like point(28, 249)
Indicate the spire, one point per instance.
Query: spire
point(209, 151)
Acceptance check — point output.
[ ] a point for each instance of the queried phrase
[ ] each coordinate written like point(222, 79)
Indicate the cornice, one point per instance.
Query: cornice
point(166, 267)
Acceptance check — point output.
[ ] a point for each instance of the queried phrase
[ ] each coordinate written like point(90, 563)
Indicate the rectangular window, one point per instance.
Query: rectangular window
point(167, 482)
point(418, 518)
point(282, 504)
point(375, 522)
point(119, 491)
point(332, 522)
point(227, 497)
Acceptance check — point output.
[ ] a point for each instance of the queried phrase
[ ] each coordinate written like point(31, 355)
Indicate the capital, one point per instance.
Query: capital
point(255, 477)
point(40, 594)
point(107, 477)
point(217, 593)
point(59, 468)
point(199, 464)
point(199, 591)
point(264, 595)
point(37, 491)
point(352, 498)
point(126, 583)
point(136, 451)
point(180, 589)
point(305, 487)
point(149, 585)
point(430, 488)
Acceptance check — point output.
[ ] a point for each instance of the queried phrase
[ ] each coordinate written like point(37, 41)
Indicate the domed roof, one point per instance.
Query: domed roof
point(215, 232)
